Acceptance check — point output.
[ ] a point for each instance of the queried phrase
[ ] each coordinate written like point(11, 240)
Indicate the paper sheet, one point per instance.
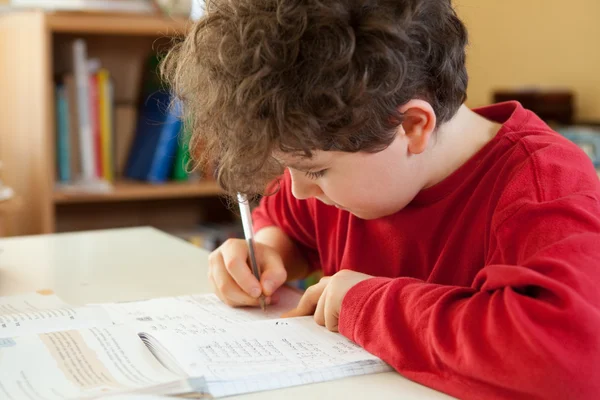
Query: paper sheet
point(195, 314)
point(29, 302)
point(34, 313)
point(228, 351)
point(268, 354)
point(76, 364)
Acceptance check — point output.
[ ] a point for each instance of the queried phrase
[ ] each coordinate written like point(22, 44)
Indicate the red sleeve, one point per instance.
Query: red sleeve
point(527, 328)
point(293, 216)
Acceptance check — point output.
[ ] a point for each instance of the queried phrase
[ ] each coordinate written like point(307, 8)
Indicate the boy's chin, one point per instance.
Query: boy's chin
point(366, 215)
point(374, 214)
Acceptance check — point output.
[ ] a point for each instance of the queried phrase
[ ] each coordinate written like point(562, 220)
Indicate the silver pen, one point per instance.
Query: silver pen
point(249, 234)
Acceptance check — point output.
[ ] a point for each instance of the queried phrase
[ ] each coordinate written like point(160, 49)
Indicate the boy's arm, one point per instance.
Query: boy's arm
point(286, 224)
point(528, 327)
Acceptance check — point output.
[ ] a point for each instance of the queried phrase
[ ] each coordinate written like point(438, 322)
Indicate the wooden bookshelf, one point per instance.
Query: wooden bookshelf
point(8, 207)
point(115, 24)
point(34, 50)
point(134, 191)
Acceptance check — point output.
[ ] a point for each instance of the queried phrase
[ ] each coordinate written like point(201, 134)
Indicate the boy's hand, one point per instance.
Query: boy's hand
point(231, 276)
point(324, 299)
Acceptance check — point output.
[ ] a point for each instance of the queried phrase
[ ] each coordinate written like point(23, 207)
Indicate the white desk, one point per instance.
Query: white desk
point(139, 263)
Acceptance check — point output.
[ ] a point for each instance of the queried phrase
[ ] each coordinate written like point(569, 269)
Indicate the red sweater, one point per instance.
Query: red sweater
point(486, 284)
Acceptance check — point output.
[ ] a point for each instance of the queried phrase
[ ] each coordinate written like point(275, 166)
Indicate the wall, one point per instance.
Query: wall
point(548, 43)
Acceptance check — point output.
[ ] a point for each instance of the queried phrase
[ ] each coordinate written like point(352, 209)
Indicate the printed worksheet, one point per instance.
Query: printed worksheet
point(29, 302)
point(80, 364)
point(36, 313)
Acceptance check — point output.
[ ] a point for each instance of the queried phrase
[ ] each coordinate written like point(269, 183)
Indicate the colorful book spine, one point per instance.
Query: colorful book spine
point(182, 157)
point(151, 120)
point(82, 81)
point(74, 147)
point(164, 156)
point(62, 134)
point(95, 123)
point(106, 125)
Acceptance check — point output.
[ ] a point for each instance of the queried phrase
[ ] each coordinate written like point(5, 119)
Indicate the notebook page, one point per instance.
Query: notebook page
point(267, 354)
point(195, 314)
point(77, 364)
point(35, 313)
point(29, 302)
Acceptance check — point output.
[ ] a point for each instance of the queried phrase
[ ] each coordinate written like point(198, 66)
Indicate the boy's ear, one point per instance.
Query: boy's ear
point(418, 125)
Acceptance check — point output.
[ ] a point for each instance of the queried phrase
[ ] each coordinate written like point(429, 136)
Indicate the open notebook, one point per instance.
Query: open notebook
point(193, 345)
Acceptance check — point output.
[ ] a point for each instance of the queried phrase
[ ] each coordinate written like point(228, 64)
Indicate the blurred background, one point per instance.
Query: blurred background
point(87, 140)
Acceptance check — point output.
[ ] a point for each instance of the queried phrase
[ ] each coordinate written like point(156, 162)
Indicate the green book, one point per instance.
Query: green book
point(182, 157)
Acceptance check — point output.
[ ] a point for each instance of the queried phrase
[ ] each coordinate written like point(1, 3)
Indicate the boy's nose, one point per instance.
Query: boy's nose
point(303, 188)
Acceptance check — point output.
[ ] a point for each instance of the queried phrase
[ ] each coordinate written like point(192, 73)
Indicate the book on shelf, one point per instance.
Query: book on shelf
point(84, 109)
point(63, 127)
point(106, 127)
point(185, 345)
point(182, 159)
point(153, 151)
point(84, 128)
point(159, 150)
point(99, 141)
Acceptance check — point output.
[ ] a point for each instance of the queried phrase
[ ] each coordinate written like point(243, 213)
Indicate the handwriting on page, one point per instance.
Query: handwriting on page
point(195, 315)
point(263, 347)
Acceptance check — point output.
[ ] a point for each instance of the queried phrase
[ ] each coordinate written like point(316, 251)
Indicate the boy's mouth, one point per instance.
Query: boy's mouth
point(332, 204)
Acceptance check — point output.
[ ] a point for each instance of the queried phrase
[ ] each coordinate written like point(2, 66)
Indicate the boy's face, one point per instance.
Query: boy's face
point(368, 185)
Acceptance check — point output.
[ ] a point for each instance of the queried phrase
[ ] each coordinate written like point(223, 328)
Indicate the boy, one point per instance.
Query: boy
point(462, 247)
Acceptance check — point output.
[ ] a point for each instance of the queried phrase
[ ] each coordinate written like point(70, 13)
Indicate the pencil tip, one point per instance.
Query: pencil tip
point(263, 304)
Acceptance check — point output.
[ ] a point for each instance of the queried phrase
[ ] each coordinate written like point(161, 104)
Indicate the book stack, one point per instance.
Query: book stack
point(159, 149)
point(97, 142)
point(85, 121)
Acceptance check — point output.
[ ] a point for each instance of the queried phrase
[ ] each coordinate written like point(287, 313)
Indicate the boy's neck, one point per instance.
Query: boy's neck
point(456, 142)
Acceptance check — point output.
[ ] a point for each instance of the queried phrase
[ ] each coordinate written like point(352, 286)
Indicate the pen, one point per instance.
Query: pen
point(249, 234)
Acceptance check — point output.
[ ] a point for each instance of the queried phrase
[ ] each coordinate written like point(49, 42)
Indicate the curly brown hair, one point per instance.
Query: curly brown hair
point(260, 76)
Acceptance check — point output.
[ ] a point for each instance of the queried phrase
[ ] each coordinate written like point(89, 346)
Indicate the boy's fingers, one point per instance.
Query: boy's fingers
point(242, 275)
point(235, 254)
point(273, 273)
point(330, 314)
point(308, 302)
point(320, 310)
point(226, 288)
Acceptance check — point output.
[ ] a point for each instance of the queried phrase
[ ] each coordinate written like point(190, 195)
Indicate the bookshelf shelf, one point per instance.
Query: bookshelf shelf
point(115, 24)
point(136, 191)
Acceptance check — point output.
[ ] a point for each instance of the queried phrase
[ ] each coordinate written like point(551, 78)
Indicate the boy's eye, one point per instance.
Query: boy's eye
point(315, 174)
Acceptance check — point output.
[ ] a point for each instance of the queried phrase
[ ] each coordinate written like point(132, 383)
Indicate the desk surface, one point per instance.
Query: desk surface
point(139, 263)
